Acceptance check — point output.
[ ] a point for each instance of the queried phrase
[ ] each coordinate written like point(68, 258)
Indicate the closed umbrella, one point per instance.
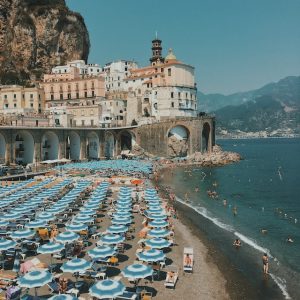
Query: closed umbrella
point(107, 289)
point(16, 266)
point(34, 280)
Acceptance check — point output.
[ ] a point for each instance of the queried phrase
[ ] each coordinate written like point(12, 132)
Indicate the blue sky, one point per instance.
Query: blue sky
point(235, 45)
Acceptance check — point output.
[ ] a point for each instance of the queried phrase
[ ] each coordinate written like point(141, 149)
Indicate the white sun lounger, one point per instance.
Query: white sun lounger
point(188, 259)
point(172, 277)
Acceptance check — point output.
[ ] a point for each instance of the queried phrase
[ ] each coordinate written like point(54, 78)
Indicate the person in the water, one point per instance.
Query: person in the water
point(265, 260)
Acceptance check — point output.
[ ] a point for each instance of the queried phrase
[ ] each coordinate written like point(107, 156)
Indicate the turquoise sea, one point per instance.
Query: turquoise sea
point(265, 189)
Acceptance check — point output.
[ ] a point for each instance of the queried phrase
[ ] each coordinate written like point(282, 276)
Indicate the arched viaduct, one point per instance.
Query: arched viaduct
point(34, 144)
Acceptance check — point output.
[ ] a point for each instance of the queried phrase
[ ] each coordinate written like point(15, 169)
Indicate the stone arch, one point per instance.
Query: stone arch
point(92, 145)
point(109, 146)
point(178, 141)
point(73, 146)
point(127, 140)
point(2, 149)
point(24, 148)
point(50, 146)
point(205, 137)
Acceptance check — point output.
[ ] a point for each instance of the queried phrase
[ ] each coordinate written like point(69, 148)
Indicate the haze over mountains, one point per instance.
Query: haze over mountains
point(273, 110)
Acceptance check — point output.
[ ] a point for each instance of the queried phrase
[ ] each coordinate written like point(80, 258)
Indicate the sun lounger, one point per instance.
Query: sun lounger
point(188, 259)
point(172, 277)
point(128, 296)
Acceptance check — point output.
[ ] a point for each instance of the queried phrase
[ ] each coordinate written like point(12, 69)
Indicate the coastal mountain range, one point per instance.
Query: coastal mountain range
point(273, 110)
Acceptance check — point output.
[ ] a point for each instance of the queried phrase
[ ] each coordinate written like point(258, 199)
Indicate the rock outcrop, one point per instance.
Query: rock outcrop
point(177, 147)
point(36, 35)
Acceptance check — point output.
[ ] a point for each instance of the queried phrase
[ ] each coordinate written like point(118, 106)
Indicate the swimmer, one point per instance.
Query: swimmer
point(264, 231)
point(237, 243)
point(265, 260)
point(196, 189)
point(234, 210)
point(289, 240)
point(224, 202)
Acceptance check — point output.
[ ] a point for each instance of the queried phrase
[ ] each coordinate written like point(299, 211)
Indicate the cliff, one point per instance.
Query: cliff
point(36, 35)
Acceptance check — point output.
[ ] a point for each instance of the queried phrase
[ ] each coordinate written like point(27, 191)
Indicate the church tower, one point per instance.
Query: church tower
point(156, 51)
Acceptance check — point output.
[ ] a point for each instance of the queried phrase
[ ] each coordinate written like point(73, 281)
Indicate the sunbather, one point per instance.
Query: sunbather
point(187, 261)
point(170, 277)
point(63, 285)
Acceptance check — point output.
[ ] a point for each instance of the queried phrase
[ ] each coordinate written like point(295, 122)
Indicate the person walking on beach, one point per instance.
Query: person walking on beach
point(265, 260)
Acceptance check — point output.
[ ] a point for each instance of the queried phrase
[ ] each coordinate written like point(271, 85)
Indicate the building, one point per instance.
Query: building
point(19, 100)
point(115, 73)
point(165, 89)
point(71, 87)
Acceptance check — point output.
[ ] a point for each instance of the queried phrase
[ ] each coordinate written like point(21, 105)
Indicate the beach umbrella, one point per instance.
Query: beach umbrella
point(76, 227)
point(107, 289)
point(16, 266)
point(50, 247)
point(137, 271)
point(151, 255)
point(67, 237)
point(6, 244)
point(101, 251)
point(159, 223)
point(22, 234)
point(117, 229)
point(76, 265)
point(21, 209)
point(63, 297)
point(35, 279)
point(157, 216)
point(56, 209)
point(88, 211)
point(121, 220)
point(11, 216)
point(154, 210)
point(124, 201)
point(159, 232)
point(36, 224)
point(3, 223)
point(157, 243)
point(46, 216)
point(112, 239)
point(83, 219)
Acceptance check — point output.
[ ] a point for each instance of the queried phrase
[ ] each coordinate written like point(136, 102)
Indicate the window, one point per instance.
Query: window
point(169, 72)
point(6, 105)
point(77, 95)
point(93, 94)
point(69, 96)
point(92, 122)
point(31, 105)
point(5, 97)
point(179, 95)
point(52, 97)
point(61, 96)
point(85, 94)
point(172, 94)
point(82, 122)
point(92, 112)
point(15, 105)
point(15, 96)
point(172, 104)
point(186, 95)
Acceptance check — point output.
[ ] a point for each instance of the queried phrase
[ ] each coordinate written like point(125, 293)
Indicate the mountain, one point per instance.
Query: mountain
point(273, 110)
point(36, 35)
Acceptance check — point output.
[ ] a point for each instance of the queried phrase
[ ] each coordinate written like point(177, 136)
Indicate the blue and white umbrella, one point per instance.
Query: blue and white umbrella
point(151, 255)
point(11, 216)
point(50, 247)
point(3, 223)
point(6, 244)
point(117, 229)
point(137, 271)
point(36, 224)
point(127, 207)
point(76, 265)
point(121, 220)
point(55, 209)
point(88, 211)
point(159, 223)
point(159, 232)
point(21, 209)
point(83, 219)
point(22, 234)
point(154, 210)
point(122, 213)
point(35, 279)
point(46, 216)
point(124, 202)
point(101, 252)
point(107, 289)
point(67, 237)
point(76, 227)
point(63, 297)
point(112, 239)
point(158, 243)
point(157, 216)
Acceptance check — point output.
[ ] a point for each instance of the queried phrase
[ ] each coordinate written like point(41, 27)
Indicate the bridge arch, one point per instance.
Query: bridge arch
point(50, 146)
point(23, 147)
point(127, 140)
point(2, 149)
point(205, 138)
point(92, 145)
point(178, 141)
point(109, 145)
point(73, 146)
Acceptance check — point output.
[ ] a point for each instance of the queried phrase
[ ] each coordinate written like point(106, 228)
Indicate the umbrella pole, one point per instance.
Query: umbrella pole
point(35, 293)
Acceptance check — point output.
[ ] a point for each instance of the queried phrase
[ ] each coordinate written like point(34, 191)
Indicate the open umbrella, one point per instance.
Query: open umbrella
point(76, 265)
point(76, 227)
point(50, 247)
point(6, 244)
point(46, 216)
point(35, 279)
point(158, 243)
point(63, 297)
point(3, 223)
point(11, 216)
point(121, 220)
point(36, 224)
point(137, 271)
point(101, 251)
point(112, 239)
point(67, 237)
point(117, 229)
point(159, 232)
point(22, 234)
point(107, 289)
point(122, 214)
point(83, 218)
point(151, 255)
point(159, 223)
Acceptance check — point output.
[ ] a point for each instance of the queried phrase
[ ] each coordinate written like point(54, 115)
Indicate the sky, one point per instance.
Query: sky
point(235, 45)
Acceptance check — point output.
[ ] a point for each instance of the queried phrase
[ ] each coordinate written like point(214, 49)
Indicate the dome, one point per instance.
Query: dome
point(170, 55)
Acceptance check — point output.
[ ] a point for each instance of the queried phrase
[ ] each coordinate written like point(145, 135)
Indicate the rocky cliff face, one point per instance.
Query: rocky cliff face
point(36, 35)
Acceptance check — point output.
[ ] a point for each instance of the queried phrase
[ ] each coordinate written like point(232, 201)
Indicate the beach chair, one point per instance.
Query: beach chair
point(188, 259)
point(172, 277)
point(146, 295)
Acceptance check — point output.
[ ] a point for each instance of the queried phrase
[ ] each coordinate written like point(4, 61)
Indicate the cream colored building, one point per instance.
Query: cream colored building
point(71, 87)
point(16, 99)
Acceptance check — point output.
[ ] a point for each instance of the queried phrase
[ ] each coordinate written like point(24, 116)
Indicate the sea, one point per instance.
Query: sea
point(263, 190)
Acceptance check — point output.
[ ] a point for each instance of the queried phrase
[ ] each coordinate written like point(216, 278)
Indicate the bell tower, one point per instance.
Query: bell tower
point(156, 51)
